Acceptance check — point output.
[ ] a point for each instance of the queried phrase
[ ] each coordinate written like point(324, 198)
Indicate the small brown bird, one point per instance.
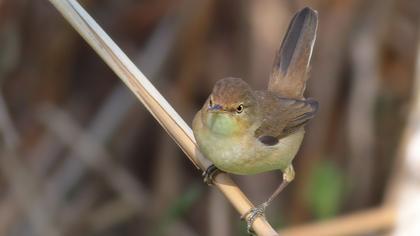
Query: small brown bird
point(244, 132)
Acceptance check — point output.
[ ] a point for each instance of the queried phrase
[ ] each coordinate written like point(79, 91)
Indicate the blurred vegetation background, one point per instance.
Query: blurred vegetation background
point(81, 156)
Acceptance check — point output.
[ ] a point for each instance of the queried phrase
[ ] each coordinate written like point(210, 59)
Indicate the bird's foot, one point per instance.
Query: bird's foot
point(210, 174)
point(252, 215)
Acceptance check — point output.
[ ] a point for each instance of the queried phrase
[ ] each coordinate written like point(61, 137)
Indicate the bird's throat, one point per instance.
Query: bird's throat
point(222, 123)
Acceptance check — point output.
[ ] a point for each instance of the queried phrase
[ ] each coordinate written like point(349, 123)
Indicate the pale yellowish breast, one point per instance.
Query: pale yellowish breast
point(244, 154)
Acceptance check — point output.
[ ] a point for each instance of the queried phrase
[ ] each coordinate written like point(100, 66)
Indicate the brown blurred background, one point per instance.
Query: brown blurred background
point(80, 155)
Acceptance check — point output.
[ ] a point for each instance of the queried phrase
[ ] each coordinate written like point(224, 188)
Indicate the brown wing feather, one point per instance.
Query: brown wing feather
point(283, 116)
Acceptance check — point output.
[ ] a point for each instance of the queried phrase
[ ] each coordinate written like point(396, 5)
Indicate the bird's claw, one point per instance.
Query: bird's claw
point(251, 215)
point(209, 174)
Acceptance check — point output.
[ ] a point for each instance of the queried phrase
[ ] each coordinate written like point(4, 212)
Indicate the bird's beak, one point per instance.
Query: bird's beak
point(215, 107)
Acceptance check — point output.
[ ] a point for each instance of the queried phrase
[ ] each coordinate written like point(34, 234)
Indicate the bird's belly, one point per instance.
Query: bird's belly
point(245, 155)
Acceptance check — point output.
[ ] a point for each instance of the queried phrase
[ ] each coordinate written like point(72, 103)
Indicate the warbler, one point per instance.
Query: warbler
point(245, 131)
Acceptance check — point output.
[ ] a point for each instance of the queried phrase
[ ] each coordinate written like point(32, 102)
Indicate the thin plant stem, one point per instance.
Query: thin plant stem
point(156, 104)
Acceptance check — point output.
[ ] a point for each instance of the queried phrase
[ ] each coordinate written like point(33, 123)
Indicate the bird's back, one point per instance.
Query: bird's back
point(282, 116)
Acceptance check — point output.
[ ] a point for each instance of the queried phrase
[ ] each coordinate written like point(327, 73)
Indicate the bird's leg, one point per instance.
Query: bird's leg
point(210, 173)
point(251, 215)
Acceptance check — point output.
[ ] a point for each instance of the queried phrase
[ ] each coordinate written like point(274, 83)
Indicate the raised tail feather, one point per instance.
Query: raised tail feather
point(291, 64)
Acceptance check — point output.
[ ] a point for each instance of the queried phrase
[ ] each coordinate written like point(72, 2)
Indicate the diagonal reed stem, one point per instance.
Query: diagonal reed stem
point(157, 105)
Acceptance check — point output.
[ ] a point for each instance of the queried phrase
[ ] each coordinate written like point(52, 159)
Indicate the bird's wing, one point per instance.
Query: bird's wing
point(283, 116)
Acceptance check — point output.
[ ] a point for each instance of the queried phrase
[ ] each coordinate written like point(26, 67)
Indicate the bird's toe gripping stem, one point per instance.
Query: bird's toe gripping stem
point(251, 215)
point(209, 174)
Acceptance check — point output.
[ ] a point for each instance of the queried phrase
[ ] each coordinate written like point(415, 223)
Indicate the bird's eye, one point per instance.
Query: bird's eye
point(240, 108)
point(210, 102)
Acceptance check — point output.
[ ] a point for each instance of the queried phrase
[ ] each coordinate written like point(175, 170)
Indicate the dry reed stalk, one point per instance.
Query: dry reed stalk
point(404, 191)
point(359, 223)
point(163, 112)
point(23, 184)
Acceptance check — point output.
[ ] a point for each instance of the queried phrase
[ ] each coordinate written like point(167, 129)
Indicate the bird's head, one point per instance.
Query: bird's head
point(231, 107)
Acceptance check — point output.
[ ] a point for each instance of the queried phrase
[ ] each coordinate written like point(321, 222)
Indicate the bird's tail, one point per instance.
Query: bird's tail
point(291, 64)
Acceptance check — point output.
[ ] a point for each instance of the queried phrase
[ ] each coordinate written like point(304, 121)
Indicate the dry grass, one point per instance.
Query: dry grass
point(154, 102)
